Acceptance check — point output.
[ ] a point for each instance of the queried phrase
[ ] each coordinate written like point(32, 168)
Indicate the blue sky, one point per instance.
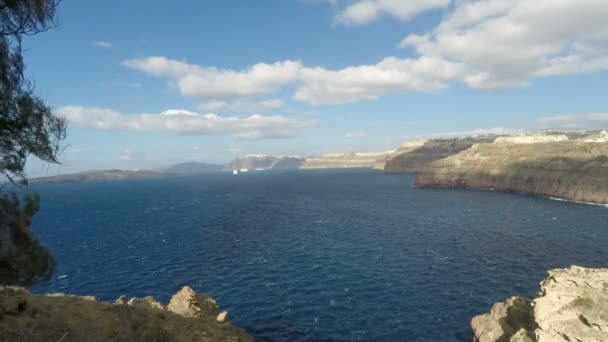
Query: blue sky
point(149, 83)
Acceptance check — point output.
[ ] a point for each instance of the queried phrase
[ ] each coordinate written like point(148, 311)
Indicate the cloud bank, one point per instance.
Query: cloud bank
point(253, 127)
point(485, 44)
point(240, 106)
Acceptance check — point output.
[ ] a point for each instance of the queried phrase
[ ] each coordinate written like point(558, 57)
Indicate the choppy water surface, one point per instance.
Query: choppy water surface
point(316, 255)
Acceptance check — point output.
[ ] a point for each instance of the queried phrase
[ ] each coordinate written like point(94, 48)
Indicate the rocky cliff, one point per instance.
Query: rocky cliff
point(571, 169)
point(57, 317)
point(412, 157)
point(572, 305)
point(348, 160)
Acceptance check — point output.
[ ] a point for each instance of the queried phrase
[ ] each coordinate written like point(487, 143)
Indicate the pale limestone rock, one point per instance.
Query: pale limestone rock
point(122, 300)
point(573, 304)
point(146, 301)
point(190, 304)
point(521, 336)
point(222, 317)
point(504, 320)
point(58, 294)
point(184, 303)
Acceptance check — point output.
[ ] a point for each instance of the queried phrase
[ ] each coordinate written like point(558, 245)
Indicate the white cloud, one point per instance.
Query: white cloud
point(213, 83)
point(508, 43)
point(368, 82)
point(486, 44)
point(104, 44)
point(317, 86)
point(365, 11)
point(240, 106)
point(356, 135)
point(593, 121)
point(252, 127)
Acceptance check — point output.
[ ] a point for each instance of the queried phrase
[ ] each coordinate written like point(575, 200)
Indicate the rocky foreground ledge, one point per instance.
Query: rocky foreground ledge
point(572, 305)
point(58, 317)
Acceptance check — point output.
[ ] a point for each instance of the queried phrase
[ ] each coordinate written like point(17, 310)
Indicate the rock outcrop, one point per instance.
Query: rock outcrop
point(189, 317)
point(574, 170)
point(365, 160)
point(572, 305)
point(188, 303)
point(415, 156)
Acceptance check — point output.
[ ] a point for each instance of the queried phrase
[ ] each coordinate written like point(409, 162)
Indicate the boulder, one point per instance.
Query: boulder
point(188, 303)
point(184, 303)
point(222, 317)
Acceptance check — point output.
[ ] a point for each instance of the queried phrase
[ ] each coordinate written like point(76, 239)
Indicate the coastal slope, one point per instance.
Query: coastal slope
point(414, 156)
point(189, 316)
point(553, 166)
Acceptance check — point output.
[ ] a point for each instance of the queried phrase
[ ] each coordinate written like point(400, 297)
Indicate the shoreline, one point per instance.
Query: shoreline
point(605, 205)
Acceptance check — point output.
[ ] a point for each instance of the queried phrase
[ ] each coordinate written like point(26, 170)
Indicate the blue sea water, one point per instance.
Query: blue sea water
point(316, 255)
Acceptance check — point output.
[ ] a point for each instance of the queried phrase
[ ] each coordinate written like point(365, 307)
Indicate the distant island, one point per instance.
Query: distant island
point(565, 165)
point(100, 175)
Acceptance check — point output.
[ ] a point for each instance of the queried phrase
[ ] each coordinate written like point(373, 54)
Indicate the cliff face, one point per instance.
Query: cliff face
point(265, 163)
point(413, 157)
point(572, 305)
point(58, 317)
point(347, 160)
point(573, 169)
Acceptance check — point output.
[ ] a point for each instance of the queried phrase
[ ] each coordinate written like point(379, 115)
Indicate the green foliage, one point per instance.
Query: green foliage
point(23, 260)
point(27, 127)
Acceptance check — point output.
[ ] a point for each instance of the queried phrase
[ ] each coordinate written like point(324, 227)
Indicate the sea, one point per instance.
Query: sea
point(331, 255)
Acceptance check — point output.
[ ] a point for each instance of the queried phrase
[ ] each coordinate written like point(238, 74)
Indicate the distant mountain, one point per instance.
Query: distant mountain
point(101, 175)
point(191, 168)
point(261, 162)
